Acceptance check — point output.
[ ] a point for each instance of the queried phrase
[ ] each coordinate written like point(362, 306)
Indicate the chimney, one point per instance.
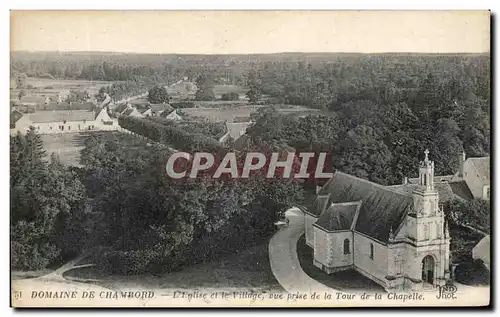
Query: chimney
point(461, 159)
point(405, 180)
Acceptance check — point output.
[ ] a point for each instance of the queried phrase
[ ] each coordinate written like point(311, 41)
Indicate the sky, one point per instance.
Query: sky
point(250, 32)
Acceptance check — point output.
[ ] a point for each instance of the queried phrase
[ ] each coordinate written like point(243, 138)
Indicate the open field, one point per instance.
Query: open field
point(45, 87)
point(229, 113)
point(66, 84)
point(186, 90)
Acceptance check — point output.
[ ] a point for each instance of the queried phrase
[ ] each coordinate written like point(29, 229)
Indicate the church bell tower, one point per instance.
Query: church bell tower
point(428, 231)
point(425, 196)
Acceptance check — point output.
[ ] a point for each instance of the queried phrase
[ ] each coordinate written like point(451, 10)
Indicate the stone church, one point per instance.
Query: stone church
point(394, 235)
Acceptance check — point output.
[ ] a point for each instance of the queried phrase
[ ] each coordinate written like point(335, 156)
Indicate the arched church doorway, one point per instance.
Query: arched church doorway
point(428, 270)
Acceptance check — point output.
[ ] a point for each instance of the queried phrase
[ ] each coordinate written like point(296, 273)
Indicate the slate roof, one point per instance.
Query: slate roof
point(128, 111)
point(461, 189)
point(382, 208)
point(444, 178)
point(66, 106)
point(444, 190)
point(482, 165)
point(62, 115)
point(14, 117)
point(338, 217)
point(121, 108)
point(316, 204)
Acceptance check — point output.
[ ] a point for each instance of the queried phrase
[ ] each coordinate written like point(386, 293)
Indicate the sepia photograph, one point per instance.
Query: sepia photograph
point(250, 158)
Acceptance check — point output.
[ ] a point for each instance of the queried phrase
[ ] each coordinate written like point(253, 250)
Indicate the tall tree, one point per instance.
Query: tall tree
point(158, 94)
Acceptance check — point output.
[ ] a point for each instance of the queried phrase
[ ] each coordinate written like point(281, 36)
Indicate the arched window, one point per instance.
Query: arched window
point(347, 248)
point(371, 251)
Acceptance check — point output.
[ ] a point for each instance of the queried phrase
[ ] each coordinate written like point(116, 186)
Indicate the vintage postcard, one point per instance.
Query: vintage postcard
point(250, 158)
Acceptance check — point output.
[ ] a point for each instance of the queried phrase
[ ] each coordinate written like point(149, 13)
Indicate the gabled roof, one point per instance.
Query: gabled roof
point(128, 111)
point(14, 117)
point(482, 165)
point(62, 115)
point(382, 208)
point(121, 108)
point(237, 129)
point(338, 216)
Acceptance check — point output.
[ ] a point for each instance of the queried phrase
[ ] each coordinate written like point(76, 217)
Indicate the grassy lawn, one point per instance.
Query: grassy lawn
point(349, 280)
point(247, 269)
point(66, 146)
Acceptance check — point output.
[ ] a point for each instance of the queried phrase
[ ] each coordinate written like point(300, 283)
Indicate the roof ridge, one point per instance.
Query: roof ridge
point(348, 203)
point(384, 187)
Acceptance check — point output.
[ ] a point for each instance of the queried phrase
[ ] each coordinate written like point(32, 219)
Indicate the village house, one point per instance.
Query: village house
point(63, 121)
point(472, 179)
point(128, 110)
point(235, 130)
point(171, 115)
point(395, 237)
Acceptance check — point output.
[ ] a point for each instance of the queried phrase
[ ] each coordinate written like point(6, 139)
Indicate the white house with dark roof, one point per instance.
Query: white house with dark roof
point(397, 238)
point(65, 121)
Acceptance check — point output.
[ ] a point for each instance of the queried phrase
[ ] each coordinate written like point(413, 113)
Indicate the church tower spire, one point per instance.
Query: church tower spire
point(426, 173)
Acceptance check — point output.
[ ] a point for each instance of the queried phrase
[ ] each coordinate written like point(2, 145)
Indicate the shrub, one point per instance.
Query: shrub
point(472, 273)
point(182, 104)
point(230, 96)
point(126, 262)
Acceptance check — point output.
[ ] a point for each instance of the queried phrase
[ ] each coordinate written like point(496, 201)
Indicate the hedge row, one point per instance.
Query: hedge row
point(170, 135)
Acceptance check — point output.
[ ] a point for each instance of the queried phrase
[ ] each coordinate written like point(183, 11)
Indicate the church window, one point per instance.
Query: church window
point(371, 251)
point(425, 179)
point(347, 248)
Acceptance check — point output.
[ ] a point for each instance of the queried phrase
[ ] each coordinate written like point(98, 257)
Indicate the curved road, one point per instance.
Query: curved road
point(284, 260)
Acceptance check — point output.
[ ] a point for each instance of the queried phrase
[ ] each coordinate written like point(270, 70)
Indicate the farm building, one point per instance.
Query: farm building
point(398, 239)
point(127, 110)
point(63, 121)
